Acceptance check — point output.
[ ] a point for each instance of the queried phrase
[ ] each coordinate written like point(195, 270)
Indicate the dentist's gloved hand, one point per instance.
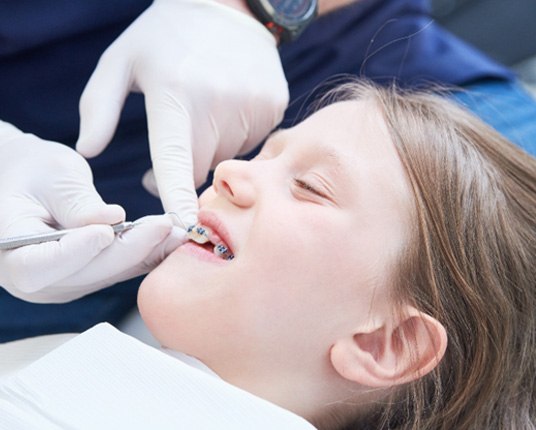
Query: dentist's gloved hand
point(214, 87)
point(45, 184)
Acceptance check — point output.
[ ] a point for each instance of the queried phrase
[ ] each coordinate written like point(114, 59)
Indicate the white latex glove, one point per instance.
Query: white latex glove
point(214, 87)
point(45, 185)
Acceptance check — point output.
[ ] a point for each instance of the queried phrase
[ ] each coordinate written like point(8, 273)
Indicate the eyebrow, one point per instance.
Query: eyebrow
point(322, 149)
point(328, 152)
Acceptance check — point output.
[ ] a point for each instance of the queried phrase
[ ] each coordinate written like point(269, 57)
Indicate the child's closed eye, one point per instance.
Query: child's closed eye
point(308, 187)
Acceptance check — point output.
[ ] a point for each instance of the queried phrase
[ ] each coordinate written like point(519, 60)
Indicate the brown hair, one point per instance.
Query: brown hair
point(470, 263)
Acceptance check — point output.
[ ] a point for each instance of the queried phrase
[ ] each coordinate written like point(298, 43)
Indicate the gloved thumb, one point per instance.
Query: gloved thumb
point(94, 213)
point(86, 208)
point(101, 104)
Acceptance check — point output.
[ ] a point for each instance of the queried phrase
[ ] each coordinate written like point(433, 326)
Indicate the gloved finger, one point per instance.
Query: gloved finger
point(260, 128)
point(87, 208)
point(149, 183)
point(128, 250)
point(176, 237)
point(170, 141)
point(72, 199)
point(101, 104)
point(275, 102)
point(31, 268)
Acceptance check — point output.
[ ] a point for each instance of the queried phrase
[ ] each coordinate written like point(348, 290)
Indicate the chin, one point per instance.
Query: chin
point(153, 312)
point(169, 303)
point(146, 305)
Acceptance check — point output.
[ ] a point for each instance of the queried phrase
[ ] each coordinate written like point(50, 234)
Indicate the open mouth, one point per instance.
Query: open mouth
point(209, 239)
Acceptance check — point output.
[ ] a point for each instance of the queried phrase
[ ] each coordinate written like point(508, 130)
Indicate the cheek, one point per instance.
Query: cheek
point(313, 272)
point(306, 252)
point(292, 270)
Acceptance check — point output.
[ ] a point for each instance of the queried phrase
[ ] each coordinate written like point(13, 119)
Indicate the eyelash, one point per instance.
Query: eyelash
point(305, 186)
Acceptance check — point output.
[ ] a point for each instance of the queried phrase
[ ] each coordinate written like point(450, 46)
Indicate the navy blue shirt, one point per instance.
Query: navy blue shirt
point(382, 40)
point(48, 50)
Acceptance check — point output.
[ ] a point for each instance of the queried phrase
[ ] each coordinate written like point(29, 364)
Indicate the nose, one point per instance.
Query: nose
point(235, 181)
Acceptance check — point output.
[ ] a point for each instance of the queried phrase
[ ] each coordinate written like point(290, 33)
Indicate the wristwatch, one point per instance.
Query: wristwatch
point(286, 19)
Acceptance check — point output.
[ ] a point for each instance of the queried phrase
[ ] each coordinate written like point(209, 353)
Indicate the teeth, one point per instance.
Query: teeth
point(198, 234)
point(222, 252)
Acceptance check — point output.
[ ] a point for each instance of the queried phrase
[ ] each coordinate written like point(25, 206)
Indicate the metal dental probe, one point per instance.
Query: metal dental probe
point(176, 215)
point(33, 239)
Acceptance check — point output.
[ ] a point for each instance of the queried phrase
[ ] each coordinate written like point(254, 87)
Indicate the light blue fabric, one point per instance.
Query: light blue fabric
point(506, 106)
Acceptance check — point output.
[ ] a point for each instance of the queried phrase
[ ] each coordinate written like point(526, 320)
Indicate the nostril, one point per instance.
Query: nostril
point(226, 188)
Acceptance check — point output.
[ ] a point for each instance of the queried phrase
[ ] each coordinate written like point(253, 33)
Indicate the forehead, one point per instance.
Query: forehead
point(348, 124)
point(353, 132)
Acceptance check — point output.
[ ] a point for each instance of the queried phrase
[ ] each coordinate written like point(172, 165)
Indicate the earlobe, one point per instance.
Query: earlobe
point(392, 353)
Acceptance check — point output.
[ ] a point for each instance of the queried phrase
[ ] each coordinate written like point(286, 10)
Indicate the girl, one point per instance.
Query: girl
point(373, 267)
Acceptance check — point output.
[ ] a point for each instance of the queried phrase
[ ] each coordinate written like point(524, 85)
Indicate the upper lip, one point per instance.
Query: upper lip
point(211, 220)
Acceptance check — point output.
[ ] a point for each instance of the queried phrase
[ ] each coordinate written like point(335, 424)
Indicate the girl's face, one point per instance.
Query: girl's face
point(314, 223)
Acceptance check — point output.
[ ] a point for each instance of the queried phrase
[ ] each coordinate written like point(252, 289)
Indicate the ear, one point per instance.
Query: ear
point(391, 353)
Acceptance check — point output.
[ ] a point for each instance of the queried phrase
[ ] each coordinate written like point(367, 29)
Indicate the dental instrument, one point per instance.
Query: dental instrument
point(33, 239)
point(178, 218)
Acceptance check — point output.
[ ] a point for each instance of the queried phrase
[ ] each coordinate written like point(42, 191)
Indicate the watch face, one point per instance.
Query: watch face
point(292, 11)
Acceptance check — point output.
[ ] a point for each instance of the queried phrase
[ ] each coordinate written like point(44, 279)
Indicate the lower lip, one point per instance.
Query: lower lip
point(196, 250)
